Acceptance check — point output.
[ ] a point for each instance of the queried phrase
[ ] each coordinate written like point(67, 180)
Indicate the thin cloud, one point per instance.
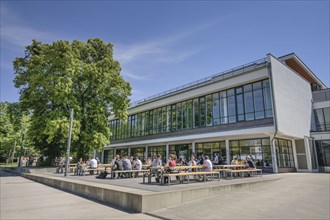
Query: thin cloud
point(15, 33)
point(139, 77)
point(152, 49)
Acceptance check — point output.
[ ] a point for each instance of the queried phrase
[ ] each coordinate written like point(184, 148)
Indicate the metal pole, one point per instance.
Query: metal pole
point(67, 161)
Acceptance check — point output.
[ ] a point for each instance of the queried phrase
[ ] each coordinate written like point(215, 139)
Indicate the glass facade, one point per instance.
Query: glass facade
point(210, 149)
point(243, 103)
point(322, 119)
point(154, 150)
point(258, 148)
point(284, 153)
point(108, 155)
point(183, 151)
point(323, 152)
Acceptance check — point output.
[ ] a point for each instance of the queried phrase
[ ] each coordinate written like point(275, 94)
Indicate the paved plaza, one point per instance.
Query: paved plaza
point(288, 196)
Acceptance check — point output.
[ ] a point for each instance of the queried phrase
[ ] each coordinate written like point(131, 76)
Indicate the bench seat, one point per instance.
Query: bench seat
point(113, 172)
point(185, 174)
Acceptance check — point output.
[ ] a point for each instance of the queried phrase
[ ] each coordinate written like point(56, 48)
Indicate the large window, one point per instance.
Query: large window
point(210, 149)
point(322, 119)
point(108, 156)
point(323, 152)
point(153, 151)
point(284, 153)
point(138, 152)
point(183, 151)
point(242, 103)
point(258, 148)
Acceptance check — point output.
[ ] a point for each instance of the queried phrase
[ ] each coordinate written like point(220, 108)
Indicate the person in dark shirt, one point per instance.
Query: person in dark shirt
point(250, 165)
point(118, 165)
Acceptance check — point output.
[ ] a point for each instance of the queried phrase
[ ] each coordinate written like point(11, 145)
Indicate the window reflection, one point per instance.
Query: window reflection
point(242, 103)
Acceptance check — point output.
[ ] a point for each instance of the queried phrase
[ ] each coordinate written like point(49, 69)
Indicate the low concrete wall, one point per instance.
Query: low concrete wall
point(121, 199)
point(141, 201)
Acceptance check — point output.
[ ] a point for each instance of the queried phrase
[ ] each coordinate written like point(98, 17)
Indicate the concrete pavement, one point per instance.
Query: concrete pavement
point(25, 199)
point(294, 196)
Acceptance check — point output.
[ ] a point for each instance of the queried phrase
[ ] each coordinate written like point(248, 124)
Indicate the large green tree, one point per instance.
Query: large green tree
point(55, 77)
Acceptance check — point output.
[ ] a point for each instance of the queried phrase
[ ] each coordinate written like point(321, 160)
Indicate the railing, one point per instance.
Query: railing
point(321, 95)
point(320, 127)
point(217, 77)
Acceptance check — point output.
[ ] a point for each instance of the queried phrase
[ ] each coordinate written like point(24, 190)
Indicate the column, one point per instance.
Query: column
point(273, 152)
point(129, 151)
point(295, 156)
point(146, 152)
point(227, 152)
point(102, 156)
point(167, 150)
point(193, 148)
point(308, 154)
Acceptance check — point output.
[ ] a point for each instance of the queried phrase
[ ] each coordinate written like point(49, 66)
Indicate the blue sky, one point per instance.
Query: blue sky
point(165, 44)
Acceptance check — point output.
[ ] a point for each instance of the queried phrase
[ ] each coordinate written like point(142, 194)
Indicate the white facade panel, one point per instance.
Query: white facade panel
point(293, 100)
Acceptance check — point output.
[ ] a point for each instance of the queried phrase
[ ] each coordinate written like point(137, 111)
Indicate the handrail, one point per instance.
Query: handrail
point(216, 77)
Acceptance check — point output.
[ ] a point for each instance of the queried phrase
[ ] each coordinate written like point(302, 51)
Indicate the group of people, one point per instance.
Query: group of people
point(172, 163)
point(249, 162)
point(91, 163)
point(126, 163)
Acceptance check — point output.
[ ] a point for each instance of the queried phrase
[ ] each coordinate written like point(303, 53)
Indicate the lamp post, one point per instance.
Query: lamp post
point(67, 161)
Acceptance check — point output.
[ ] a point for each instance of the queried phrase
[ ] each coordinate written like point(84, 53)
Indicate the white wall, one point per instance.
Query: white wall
point(293, 100)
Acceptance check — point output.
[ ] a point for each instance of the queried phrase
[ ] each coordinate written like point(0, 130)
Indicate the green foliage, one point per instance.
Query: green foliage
point(13, 120)
point(53, 78)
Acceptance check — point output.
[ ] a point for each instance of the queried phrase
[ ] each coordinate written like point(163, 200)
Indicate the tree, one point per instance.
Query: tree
point(55, 77)
point(13, 120)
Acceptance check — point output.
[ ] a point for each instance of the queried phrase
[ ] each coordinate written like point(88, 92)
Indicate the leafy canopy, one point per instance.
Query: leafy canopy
point(55, 77)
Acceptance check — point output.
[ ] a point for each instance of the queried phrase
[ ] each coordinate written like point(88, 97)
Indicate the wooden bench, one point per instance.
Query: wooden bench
point(222, 172)
point(253, 172)
point(185, 174)
point(114, 176)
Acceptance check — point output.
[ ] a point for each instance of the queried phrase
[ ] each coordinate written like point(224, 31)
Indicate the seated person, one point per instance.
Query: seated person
point(250, 165)
point(127, 166)
point(80, 165)
point(170, 166)
point(207, 164)
point(137, 165)
point(192, 162)
point(92, 165)
point(157, 162)
point(118, 165)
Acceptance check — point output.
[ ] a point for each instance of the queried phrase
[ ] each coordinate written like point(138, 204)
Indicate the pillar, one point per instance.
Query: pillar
point(274, 157)
point(227, 152)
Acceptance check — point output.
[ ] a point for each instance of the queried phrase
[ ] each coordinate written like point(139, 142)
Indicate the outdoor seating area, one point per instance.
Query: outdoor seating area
point(160, 175)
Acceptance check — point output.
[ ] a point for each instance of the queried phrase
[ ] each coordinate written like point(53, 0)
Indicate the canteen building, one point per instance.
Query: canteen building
point(275, 109)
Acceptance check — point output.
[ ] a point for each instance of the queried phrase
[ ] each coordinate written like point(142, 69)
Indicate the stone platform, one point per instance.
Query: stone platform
point(131, 194)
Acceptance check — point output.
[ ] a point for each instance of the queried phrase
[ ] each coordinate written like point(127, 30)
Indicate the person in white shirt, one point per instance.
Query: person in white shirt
point(207, 164)
point(192, 162)
point(93, 163)
point(137, 164)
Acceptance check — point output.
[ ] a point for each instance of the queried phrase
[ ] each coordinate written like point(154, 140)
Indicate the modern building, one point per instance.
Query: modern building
point(263, 108)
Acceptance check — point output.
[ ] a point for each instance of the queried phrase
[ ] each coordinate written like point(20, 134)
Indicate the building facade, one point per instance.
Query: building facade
point(263, 109)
